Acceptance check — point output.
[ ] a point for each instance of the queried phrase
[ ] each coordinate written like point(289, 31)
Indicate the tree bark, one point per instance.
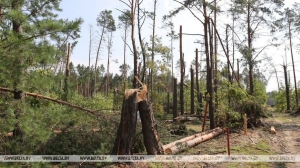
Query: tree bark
point(135, 54)
point(181, 96)
point(90, 53)
point(199, 95)
point(141, 44)
point(175, 113)
point(97, 56)
point(149, 128)
point(250, 62)
point(153, 43)
point(287, 89)
point(295, 80)
point(178, 146)
point(134, 100)
point(215, 57)
point(192, 92)
point(209, 72)
point(127, 127)
point(66, 89)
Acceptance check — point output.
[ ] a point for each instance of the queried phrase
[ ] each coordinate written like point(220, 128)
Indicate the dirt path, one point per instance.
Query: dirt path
point(287, 139)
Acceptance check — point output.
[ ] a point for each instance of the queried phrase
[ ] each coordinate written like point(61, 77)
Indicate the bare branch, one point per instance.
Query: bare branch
point(127, 45)
point(192, 34)
point(125, 3)
point(190, 11)
point(261, 51)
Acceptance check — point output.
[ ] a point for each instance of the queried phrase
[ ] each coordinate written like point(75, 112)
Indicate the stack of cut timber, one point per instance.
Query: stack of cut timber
point(180, 145)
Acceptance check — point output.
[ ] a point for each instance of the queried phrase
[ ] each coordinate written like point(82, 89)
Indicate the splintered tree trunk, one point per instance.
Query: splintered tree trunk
point(127, 127)
point(149, 128)
point(137, 99)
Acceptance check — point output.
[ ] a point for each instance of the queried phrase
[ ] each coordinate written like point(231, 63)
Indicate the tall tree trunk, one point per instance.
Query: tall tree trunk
point(89, 71)
point(238, 70)
point(182, 68)
point(17, 83)
point(0, 14)
point(250, 62)
point(295, 80)
point(277, 80)
point(66, 86)
point(199, 95)
point(125, 66)
point(135, 54)
point(208, 65)
point(97, 56)
point(287, 89)
point(192, 92)
point(175, 112)
point(211, 104)
point(108, 56)
point(141, 42)
point(153, 43)
point(215, 57)
point(227, 48)
point(233, 42)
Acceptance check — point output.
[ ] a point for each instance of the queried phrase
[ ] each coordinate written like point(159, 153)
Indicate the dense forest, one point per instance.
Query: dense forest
point(50, 106)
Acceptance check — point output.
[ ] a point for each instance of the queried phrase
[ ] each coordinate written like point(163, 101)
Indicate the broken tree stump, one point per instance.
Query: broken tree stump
point(180, 145)
point(127, 127)
point(134, 100)
point(149, 128)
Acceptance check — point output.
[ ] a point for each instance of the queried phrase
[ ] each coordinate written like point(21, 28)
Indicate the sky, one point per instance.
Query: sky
point(89, 10)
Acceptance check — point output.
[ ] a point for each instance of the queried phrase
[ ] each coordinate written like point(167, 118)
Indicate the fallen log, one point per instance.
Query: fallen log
point(191, 141)
point(189, 138)
point(54, 100)
point(182, 118)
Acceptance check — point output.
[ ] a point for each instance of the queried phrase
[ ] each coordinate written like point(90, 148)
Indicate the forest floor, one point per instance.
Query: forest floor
point(258, 141)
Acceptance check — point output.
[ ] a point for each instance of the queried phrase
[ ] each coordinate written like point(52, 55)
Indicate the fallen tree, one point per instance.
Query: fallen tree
point(54, 100)
point(180, 145)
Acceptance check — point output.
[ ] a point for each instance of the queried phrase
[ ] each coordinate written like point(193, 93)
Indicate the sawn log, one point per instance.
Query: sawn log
point(180, 145)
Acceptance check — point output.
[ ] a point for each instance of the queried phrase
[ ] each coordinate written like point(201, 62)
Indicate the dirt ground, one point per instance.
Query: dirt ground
point(258, 141)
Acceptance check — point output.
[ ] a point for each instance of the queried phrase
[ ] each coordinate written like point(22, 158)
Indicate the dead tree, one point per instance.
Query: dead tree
point(181, 96)
point(192, 92)
point(199, 95)
point(66, 89)
point(175, 113)
point(287, 89)
point(134, 100)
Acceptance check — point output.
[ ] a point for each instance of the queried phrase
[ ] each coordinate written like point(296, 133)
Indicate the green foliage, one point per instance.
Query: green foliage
point(234, 102)
point(158, 108)
point(260, 92)
point(106, 20)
